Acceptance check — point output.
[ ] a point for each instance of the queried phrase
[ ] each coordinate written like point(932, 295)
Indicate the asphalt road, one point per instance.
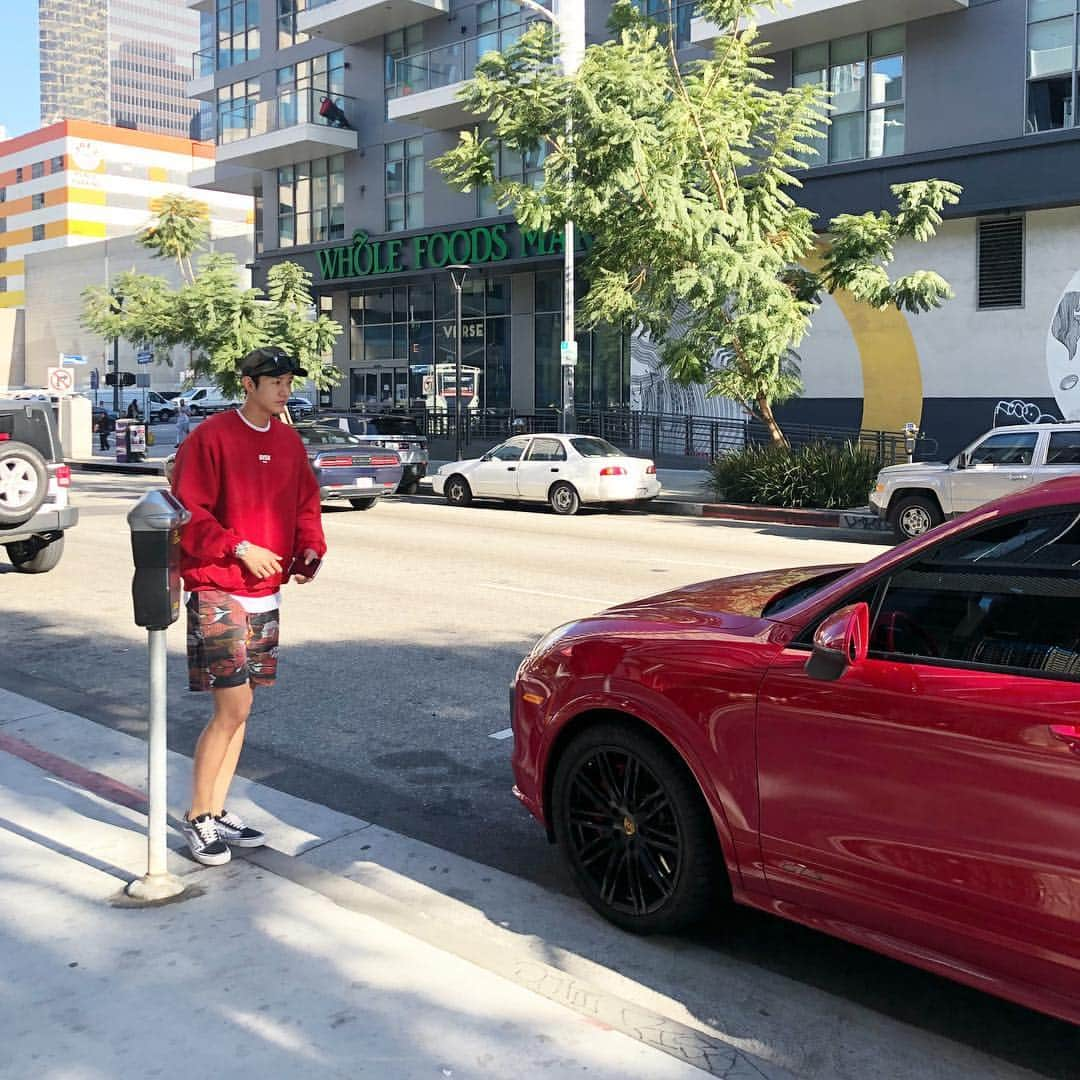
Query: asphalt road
point(392, 696)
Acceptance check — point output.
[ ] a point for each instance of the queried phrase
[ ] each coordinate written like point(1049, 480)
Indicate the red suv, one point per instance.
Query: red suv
point(889, 753)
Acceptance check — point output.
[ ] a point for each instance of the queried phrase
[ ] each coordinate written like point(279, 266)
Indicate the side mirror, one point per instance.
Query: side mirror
point(840, 641)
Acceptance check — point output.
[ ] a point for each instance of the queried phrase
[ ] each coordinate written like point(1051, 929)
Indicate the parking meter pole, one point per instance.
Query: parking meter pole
point(155, 523)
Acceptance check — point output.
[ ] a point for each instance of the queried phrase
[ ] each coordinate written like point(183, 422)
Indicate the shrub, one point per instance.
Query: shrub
point(821, 475)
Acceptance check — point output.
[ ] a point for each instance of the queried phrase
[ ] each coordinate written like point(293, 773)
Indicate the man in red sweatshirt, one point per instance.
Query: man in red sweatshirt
point(254, 503)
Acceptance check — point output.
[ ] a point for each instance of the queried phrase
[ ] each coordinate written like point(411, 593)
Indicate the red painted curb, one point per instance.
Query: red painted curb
point(92, 781)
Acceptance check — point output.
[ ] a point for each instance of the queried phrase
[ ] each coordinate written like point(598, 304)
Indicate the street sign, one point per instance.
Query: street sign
point(60, 380)
point(95, 379)
point(144, 357)
point(568, 353)
point(72, 358)
point(428, 385)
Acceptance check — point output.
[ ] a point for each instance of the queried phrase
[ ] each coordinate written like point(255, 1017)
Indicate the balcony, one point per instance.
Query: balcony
point(235, 179)
point(300, 124)
point(201, 83)
point(809, 21)
point(426, 85)
point(350, 21)
point(200, 5)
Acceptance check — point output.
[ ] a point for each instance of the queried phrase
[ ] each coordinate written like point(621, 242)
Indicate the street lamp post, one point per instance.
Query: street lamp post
point(569, 20)
point(117, 303)
point(458, 274)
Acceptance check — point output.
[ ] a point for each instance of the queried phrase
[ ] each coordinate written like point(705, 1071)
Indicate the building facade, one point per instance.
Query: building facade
point(329, 111)
point(77, 182)
point(119, 62)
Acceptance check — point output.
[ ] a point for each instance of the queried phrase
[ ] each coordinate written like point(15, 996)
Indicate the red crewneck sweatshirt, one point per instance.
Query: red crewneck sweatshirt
point(243, 484)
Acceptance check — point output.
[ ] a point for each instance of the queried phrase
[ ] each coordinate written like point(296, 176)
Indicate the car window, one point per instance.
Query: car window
point(1005, 596)
point(1008, 448)
point(395, 425)
point(508, 452)
point(326, 436)
point(596, 448)
point(1064, 448)
point(547, 450)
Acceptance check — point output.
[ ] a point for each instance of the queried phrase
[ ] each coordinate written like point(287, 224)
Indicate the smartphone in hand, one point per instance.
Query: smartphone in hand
point(303, 569)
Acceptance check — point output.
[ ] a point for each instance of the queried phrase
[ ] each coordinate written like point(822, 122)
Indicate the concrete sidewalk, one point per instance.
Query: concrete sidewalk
point(315, 957)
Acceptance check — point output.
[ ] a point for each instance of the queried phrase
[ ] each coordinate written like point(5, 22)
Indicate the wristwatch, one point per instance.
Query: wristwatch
point(241, 549)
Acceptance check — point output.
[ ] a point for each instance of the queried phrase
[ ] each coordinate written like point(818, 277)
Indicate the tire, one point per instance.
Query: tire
point(408, 487)
point(457, 491)
point(34, 557)
point(600, 831)
point(913, 515)
point(24, 482)
point(362, 504)
point(564, 499)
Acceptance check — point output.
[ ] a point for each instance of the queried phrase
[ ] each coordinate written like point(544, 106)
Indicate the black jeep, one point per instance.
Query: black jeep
point(34, 483)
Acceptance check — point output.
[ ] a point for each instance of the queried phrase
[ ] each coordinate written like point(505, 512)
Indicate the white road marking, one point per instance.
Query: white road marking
point(506, 733)
point(545, 592)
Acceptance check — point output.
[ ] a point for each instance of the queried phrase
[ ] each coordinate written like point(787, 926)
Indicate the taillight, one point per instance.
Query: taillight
point(612, 470)
point(4, 436)
point(62, 474)
point(384, 460)
point(650, 470)
point(334, 462)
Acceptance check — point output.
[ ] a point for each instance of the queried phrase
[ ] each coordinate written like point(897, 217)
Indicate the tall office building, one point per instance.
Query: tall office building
point(120, 62)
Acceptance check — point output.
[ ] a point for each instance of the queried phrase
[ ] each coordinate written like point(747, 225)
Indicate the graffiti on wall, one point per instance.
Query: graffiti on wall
point(1020, 412)
point(1062, 344)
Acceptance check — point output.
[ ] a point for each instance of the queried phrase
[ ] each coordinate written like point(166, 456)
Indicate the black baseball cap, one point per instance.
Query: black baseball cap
point(270, 361)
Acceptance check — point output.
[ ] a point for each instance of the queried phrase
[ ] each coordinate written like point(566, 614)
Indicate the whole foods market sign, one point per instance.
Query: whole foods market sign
point(364, 257)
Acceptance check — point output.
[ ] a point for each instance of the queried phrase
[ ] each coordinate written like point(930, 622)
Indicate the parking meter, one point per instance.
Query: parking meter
point(911, 435)
point(155, 523)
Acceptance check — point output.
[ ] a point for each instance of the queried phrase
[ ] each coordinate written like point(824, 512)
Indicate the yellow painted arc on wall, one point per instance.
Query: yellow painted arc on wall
point(891, 370)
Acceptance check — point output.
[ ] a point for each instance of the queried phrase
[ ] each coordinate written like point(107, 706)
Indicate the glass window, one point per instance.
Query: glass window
point(38, 232)
point(237, 32)
point(311, 202)
point(547, 450)
point(1015, 611)
point(37, 170)
point(287, 33)
point(57, 164)
point(864, 74)
point(1008, 448)
point(37, 202)
point(1064, 448)
point(508, 452)
point(404, 184)
point(1052, 62)
point(596, 448)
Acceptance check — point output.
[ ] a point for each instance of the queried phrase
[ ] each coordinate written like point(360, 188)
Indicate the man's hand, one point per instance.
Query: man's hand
point(309, 556)
point(260, 561)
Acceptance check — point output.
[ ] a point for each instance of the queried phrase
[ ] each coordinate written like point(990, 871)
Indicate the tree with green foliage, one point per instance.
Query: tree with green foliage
point(210, 312)
point(683, 178)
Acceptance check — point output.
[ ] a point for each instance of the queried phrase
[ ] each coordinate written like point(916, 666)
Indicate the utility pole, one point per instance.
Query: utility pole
point(458, 274)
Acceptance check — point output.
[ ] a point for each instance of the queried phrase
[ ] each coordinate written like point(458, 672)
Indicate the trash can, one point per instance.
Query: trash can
point(130, 440)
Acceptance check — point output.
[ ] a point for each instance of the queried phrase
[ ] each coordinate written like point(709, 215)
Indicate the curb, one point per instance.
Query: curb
point(141, 468)
point(857, 520)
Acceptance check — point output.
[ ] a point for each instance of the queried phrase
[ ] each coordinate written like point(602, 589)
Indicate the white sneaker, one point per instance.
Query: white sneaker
point(233, 830)
point(206, 844)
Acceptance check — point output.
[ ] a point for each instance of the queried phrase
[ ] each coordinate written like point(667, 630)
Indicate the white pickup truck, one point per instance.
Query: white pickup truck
point(914, 498)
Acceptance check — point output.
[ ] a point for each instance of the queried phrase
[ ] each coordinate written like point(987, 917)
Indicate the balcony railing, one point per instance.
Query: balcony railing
point(202, 62)
point(448, 64)
point(292, 106)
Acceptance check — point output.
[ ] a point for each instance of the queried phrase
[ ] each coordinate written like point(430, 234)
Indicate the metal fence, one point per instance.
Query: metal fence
point(657, 434)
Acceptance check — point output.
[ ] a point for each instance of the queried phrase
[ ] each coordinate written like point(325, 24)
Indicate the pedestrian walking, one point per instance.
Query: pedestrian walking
point(255, 512)
point(133, 410)
point(183, 422)
point(103, 430)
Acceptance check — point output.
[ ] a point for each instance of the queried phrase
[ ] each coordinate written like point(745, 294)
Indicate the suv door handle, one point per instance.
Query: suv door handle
point(511, 468)
point(554, 470)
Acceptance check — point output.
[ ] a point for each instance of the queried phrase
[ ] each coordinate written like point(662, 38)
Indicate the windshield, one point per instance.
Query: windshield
point(798, 593)
point(596, 448)
point(326, 436)
point(395, 425)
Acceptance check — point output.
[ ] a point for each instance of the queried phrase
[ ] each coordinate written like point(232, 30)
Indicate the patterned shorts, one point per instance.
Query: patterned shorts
point(226, 645)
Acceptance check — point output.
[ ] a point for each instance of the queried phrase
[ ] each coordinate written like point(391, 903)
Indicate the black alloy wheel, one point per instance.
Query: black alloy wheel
point(635, 831)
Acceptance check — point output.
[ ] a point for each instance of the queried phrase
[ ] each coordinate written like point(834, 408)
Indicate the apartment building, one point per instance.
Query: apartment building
point(329, 111)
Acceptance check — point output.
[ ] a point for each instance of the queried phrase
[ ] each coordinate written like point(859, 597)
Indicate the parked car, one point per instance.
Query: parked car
point(390, 431)
point(346, 468)
point(300, 408)
point(914, 498)
point(565, 471)
point(34, 483)
point(887, 753)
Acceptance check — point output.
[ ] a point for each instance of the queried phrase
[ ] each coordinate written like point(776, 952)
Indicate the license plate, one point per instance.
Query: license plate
point(362, 481)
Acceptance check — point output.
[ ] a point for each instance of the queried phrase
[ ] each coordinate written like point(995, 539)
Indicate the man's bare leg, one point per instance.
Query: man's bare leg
point(220, 790)
point(215, 746)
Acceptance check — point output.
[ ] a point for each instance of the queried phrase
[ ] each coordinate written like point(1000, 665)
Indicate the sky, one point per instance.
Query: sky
point(19, 90)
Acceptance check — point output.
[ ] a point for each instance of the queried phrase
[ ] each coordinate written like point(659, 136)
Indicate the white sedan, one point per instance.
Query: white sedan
point(565, 471)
